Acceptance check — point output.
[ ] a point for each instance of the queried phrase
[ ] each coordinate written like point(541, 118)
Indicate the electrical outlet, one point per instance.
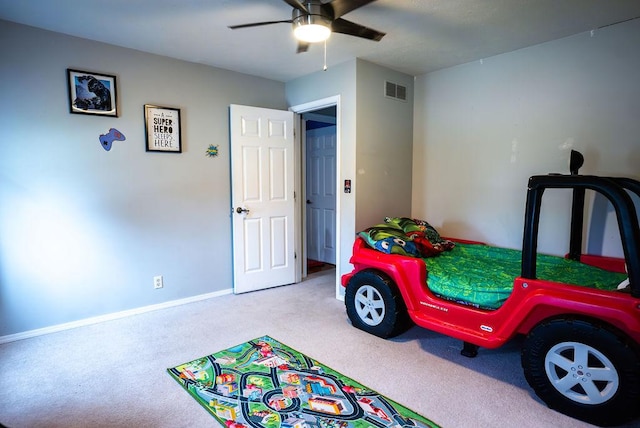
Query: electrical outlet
point(157, 282)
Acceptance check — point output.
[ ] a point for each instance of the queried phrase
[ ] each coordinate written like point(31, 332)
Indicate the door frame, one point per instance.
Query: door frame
point(301, 216)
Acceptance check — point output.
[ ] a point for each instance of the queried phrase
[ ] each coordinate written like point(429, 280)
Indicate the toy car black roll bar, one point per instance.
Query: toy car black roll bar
point(615, 189)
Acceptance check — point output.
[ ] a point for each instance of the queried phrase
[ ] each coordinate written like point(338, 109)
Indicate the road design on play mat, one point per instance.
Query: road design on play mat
point(266, 384)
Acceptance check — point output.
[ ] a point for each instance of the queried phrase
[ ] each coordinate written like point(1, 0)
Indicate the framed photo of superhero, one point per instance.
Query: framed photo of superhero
point(163, 131)
point(92, 93)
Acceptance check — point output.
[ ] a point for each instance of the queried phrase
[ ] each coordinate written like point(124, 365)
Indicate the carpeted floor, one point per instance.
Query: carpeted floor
point(113, 374)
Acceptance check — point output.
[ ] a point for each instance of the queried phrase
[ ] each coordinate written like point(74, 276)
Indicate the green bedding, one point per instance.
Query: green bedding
point(482, 276)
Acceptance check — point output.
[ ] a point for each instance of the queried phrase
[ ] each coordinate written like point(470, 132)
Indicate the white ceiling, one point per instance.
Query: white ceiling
point(422, 35)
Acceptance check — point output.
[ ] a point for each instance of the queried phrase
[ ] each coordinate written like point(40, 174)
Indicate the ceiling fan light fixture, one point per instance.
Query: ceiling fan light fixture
point(312, 33)
point(311, 26)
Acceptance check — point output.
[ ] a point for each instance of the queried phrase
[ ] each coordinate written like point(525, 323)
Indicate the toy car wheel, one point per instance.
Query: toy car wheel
point(583, 370)
point(374, 304)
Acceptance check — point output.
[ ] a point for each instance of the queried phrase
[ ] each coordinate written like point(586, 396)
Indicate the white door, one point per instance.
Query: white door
point(262, 197)
point(321, 194)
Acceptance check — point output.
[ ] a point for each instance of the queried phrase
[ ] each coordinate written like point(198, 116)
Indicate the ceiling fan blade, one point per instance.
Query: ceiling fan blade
point(342, 7)
point(296, 5)
point(351, 28)
point(258, 24)
point(302, 47)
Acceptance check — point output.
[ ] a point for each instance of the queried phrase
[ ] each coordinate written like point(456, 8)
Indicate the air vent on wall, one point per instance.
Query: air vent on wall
point(395, 91)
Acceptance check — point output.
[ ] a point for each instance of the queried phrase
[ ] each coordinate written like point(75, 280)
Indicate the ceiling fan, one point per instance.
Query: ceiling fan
point(313, 21)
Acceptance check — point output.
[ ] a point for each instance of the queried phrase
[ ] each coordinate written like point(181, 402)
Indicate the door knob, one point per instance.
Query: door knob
point(308, 201)
point(240, 210)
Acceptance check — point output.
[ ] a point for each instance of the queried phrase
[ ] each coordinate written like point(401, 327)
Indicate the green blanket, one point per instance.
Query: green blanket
point(482, 276)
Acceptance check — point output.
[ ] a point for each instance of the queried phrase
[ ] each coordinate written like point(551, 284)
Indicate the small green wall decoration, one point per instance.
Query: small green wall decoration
point(212, 151)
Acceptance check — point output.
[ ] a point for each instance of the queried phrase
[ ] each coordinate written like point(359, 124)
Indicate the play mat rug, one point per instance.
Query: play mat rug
point(264, 383)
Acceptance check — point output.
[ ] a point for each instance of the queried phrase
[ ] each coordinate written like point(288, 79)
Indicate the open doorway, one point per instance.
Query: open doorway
point(322, 110)
point(320, 138)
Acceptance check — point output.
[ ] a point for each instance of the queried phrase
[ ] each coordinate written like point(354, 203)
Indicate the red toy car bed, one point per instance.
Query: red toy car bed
point(581, 354)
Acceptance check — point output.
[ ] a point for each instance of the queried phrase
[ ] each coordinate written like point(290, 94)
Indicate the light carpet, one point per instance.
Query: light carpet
point(113, 374)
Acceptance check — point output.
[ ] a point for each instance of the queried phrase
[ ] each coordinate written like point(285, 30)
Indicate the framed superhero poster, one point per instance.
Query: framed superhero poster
point(162, 126)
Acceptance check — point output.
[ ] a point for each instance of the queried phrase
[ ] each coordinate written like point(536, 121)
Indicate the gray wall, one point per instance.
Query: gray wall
point(336, 81)
point(375, 139)
point(481, 129)
point(384, 149)
point(82, 230)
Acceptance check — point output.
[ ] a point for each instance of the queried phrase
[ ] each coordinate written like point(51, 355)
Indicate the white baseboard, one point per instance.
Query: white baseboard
point(110, 317)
